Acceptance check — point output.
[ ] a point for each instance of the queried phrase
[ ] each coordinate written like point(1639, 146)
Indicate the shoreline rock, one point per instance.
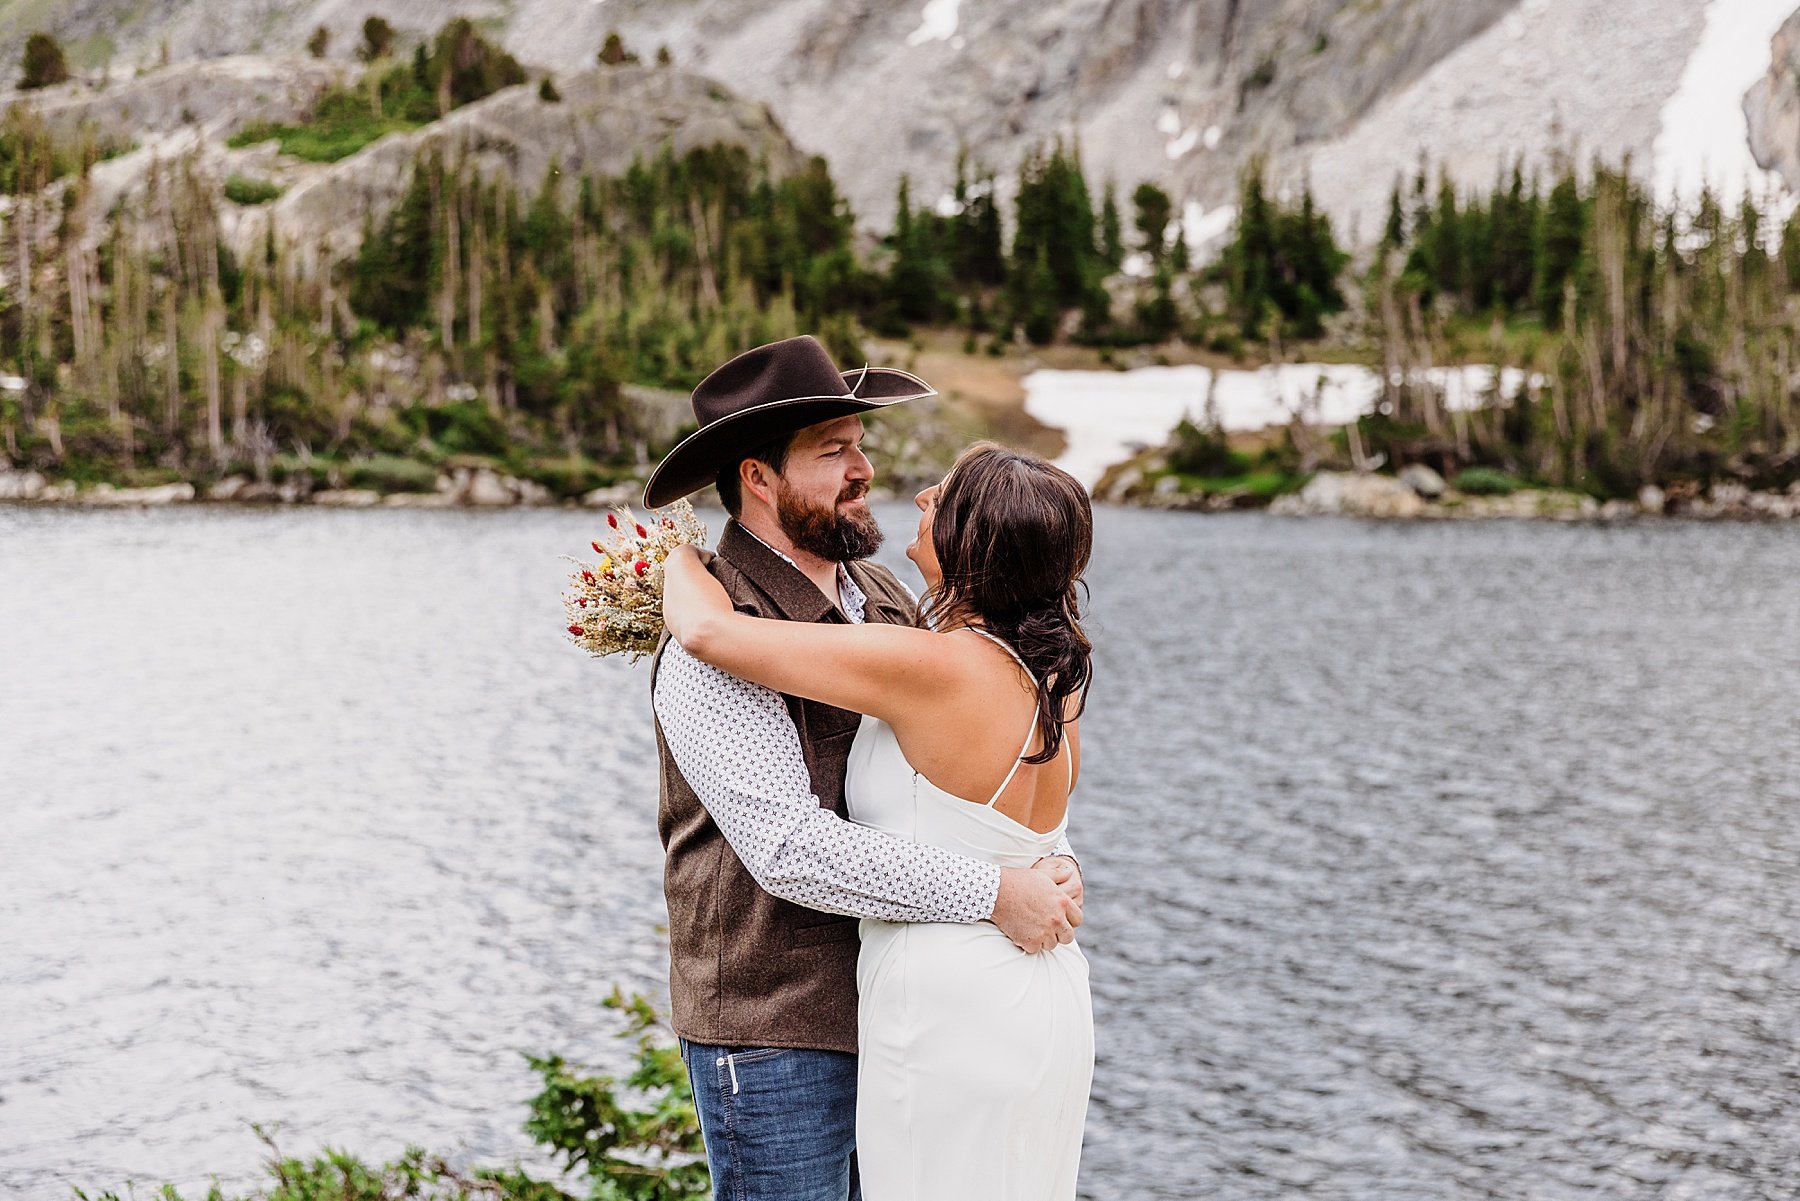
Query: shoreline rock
point(459, 488)
point(1326, 494)
point(1389, 498)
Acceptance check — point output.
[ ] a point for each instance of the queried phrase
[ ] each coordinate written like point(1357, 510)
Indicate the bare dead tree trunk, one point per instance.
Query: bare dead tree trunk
point(171, 365)
point(477, 259)
point(210, 325)
point(452, 210)
point(709, 283)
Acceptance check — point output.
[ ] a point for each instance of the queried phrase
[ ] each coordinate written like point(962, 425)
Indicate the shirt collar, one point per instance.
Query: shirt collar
point(851, 598)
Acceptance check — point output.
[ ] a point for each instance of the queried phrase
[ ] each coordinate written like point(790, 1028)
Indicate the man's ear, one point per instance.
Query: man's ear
point(756, 478)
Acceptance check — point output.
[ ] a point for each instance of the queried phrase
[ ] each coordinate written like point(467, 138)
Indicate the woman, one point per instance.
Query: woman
point(975, 1059)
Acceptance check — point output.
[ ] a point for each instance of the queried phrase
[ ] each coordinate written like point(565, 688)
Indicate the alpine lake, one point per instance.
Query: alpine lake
point(1425, 862)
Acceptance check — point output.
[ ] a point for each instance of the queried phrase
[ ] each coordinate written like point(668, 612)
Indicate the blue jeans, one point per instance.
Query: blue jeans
point(779, 1123)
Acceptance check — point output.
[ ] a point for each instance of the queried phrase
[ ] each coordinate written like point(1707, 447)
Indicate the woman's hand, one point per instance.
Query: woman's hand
point(692, 599)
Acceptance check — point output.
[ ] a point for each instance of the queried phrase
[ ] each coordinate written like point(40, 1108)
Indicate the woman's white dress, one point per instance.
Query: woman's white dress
point(976, 1058)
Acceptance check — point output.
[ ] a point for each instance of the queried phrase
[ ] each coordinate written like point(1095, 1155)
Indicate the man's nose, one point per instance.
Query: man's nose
point(860, 468)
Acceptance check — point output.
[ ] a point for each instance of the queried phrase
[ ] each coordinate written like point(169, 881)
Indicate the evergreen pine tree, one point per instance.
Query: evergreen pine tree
point(910, 284)
point(1249, 257)
point(1157, 315)
point(392, 277)
point(378, 40)
point(613, 52)
point(1514, 250)
point(1393, 235)
point(1038, 310)
point(1561, 232)
point(1112, 243)
point(1280, 263)
point(1054, 237)
point(42, 64)
point(1152, 209)
point(984, 255)
point(1447, 236)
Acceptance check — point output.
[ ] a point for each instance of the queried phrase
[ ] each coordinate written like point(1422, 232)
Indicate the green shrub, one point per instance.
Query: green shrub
point(293, 417)
point(1485, 481)
point(341, 125)
point(151, 477)
point(1199, 451)
point(385, 473)
point(42, 65)
point(248, 190)
point(567, 478)
point(1264, 484)
point(283, 468)
point(636, 1140)
point(463, 427)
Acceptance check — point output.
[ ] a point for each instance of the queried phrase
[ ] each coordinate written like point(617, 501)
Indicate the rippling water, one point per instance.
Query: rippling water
point(1425, 862)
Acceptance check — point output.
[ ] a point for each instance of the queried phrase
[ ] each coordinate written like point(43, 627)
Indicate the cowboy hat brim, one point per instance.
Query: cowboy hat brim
point(697, 459)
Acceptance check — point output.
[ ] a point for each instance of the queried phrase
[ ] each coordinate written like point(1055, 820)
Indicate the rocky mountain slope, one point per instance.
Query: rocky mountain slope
point(187, 112)
point(1349, 93)
point(1773, 108)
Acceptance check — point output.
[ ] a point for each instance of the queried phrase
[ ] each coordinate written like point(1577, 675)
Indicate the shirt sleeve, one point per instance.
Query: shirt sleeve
point(738, 749)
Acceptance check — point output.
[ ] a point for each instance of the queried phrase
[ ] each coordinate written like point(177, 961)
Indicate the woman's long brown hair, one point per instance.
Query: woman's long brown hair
point(1013, 535)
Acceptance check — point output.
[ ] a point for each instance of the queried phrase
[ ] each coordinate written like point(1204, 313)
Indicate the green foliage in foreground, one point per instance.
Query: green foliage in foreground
point(635, 1142)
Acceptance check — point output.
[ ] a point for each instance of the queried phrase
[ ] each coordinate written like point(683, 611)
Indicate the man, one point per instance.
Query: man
point(764, 877)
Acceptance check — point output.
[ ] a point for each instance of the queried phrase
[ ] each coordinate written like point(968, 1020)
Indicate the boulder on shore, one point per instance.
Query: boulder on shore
point(164, 494)
point(347, 498)
point(1348, 494)
point(612, 494)
point(21, 485)
point(1423, 480)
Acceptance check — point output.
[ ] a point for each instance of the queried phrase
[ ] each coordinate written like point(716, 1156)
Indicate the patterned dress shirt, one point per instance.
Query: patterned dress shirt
point(737, 747)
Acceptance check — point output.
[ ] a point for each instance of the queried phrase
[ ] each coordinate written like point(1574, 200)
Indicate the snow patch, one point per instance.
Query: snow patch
point(1211, 138)
point(1202, 226)
point(937, 23)
point(947, 206)
point(1168, 122)
point(1182, 144)
point(1705, 139)
point(1108, 416)
point(1177, 70)
point(1137, 265)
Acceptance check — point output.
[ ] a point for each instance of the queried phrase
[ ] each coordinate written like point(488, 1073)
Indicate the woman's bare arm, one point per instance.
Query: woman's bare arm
point(879, 669)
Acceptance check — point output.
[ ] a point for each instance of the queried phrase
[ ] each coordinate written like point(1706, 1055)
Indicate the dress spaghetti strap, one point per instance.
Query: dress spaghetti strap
point(1029, 730)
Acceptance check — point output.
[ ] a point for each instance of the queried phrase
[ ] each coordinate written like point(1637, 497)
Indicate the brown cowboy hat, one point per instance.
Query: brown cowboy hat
point(762, 394)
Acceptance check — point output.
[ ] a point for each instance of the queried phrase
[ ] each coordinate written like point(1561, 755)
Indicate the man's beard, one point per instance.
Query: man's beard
point(822, 531)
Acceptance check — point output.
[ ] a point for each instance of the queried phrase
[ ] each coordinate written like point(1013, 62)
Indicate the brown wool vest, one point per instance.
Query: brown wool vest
point(747, 969)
